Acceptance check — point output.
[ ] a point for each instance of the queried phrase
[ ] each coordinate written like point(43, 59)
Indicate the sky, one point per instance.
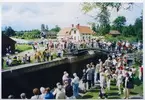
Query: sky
point(28, 16)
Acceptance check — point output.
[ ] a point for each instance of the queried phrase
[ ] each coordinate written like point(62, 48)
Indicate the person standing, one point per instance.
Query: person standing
point(128, 85)
point(64, 77)
point(89, 75)
point(75, 84)
point(47, 54)
point(68, 90)
point(141, 73)
point(42, 90)
point(93, 74)
point(119, 81)
point(84, 80)
point(97, 73)
point(44, 55)
point(60, 93)
point(36, 94)
point(108, 77)
point(48, 95)
point(102, 78)
point(101, 63)
point(23, 96)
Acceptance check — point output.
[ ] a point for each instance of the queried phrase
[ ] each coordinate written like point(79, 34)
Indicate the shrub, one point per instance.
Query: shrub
point(139, 57)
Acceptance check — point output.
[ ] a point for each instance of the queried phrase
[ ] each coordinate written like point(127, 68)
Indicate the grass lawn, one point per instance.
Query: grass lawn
point(23, 47)
point(113, 93)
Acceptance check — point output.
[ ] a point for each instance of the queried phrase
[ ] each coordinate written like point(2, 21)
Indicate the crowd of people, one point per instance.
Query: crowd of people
point(58, 48)
point(114, 69)
point(69, 89)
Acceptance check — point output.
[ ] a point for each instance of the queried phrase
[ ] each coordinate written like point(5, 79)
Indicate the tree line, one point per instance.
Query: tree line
point(102, 25)
point(28, 34)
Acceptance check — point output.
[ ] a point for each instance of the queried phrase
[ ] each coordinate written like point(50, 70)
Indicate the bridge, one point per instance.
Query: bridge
point(75, 52)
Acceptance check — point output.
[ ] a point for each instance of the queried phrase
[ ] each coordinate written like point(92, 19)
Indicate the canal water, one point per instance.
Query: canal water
point(45, 77)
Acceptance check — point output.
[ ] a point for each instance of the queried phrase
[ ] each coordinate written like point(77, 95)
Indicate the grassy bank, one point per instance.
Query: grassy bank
point(23, 47)
point(111, 38)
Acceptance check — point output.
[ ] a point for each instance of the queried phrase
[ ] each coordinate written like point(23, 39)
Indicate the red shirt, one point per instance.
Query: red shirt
point(141, 69)
point(121, 68)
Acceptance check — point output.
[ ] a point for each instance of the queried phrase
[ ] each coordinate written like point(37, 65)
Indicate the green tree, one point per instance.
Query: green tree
point(138, 27)
point(93, 26)
point(119, 22)
point(31, 35)
point(56, 29)
point(9, 31)
point(42, 27)
point(125, 31)
point(104, 29)
point(47, 28)
point(104, 12)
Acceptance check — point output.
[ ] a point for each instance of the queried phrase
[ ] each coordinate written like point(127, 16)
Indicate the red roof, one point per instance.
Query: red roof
point(84, 29)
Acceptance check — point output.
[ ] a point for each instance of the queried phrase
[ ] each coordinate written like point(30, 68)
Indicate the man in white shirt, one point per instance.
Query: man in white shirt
point(64, 77)
point(42, 90)
point(97, 72)
point(60, 93)
point(57, 89)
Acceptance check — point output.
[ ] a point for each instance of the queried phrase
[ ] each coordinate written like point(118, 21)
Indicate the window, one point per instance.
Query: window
point(74, 37)
point(74, 31)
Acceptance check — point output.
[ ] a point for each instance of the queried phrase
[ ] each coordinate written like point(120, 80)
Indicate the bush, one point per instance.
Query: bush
point(139, 57)
point(120, 37)
point(15, 62)
point(110, 38)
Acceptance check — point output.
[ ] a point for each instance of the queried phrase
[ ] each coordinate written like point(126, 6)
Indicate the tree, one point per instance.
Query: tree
point(56, 29)
point(9, 31)
point(138, 27)
point(47, 28)
point(32, 34)
point(125, 31)
point(42, 27)
point(93, 26)
point(119, 22)
point(104, 12)
point(104, 29)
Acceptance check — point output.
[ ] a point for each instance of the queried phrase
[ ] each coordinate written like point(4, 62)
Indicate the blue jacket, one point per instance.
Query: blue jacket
point(49, 96)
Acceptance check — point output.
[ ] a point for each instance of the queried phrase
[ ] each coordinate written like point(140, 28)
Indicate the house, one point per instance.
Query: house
point(51, 34)
point(75, 33)
point(8, 45)
point(114, 32)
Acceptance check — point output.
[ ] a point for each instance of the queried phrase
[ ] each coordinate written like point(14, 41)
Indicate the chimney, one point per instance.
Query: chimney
point(72, 25)
point(78, 26)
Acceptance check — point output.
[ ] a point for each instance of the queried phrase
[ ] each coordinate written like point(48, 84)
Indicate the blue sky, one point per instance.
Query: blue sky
point(27, 16)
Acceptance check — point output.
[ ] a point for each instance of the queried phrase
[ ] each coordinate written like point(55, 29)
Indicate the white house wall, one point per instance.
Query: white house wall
point(77, 35)
point(86, 36)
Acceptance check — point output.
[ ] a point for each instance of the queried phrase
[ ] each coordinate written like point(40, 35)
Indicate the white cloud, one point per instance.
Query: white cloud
point(32, 15)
